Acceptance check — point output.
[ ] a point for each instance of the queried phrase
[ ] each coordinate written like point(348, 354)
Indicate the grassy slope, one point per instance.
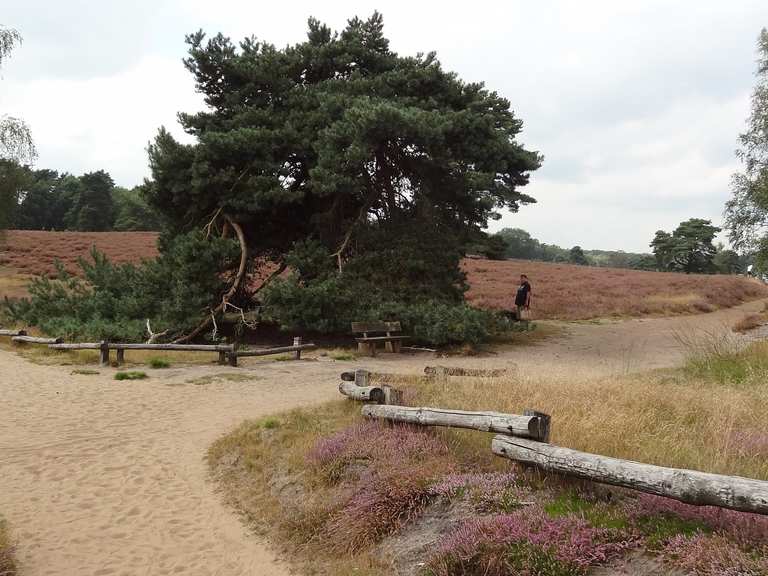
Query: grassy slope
point(709, 416)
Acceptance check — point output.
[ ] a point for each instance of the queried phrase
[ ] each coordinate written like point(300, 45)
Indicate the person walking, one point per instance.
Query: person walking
point(523, 298)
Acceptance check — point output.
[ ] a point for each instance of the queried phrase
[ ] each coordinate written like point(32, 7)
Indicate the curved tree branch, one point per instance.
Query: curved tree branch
point(232, 289)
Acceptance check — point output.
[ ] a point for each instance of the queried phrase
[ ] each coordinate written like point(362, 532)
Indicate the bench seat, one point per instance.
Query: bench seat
point(375, 332)
point(381, 338)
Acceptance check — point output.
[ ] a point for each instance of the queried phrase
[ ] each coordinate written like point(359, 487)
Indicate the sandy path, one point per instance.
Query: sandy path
point(100, 477)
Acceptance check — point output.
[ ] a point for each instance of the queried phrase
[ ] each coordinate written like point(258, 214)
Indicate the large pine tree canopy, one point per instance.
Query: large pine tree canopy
point(335, 134)
point(362, 171)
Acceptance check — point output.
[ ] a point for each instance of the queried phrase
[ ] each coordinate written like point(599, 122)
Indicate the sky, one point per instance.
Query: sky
point(636, 105)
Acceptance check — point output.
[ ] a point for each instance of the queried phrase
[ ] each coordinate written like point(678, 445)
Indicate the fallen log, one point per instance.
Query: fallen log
point(36, 340)
point(535, 426)
point(362, 393)
point(456, 371)
point(689, 486)
point(6, 332)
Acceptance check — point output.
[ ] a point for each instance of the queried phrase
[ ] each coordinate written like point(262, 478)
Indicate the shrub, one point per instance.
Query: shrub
point(158, 363)
point(113, 301)
point(525, 542)
point(132, 375)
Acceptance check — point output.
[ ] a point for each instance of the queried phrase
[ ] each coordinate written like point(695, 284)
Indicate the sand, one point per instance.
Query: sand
point(102, 477)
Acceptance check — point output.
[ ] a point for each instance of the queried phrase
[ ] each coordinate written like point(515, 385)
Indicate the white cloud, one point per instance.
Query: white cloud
point(104, 122)
point(636, 105)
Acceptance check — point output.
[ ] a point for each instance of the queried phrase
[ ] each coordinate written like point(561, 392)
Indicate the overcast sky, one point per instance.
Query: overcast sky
point(636, 105)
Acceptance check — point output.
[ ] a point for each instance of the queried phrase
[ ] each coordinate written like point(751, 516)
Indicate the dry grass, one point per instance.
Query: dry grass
point(568, 292)
point(710, 417)
point(752, 321)
point(7, 562)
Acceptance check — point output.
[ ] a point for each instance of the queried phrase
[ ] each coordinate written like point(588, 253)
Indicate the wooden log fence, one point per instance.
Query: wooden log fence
point(533, 425)
point(24, 339)
point(296, 348)
point(104, 349)
point(689, 486)
point(7, 332)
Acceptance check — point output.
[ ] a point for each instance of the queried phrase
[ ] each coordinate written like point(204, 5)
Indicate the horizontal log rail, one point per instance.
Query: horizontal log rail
point(24, 339)
point(105, 347)
point(7, 332)
point(689, 486)
point(270, 351)
point(534, 425)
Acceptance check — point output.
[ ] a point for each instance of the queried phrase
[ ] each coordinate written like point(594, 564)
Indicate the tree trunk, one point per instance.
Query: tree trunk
point(689, 486)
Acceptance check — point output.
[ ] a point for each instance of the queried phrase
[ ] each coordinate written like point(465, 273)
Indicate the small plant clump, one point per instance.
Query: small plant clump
point(130, 375)
point(158, 363)
point(85, 372)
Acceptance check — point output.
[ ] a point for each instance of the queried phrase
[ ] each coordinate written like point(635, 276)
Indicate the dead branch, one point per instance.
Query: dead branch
point(246, 323)
point(154, 336)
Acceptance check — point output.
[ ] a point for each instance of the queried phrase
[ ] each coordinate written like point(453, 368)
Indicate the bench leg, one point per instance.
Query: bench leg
point(232, 358)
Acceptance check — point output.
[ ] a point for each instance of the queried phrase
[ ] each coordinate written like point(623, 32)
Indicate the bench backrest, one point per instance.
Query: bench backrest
point(374, 327)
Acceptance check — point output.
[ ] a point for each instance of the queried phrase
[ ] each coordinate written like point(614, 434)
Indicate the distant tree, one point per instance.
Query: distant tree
point(132, 212)
point(495, 247)
point(16, 143)
point(689, 248)
point(520, 244)
point(14, 178)
point(746, 213)
point(577, 256)
point(663, 247)
point(642, 262)
point(95, 207)
point(727, 261)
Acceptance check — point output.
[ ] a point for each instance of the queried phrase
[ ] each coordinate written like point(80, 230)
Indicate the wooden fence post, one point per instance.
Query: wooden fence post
point(297, 342)
point(544, 423)
point(362, 377)
point(120, 356)
point(104, 353)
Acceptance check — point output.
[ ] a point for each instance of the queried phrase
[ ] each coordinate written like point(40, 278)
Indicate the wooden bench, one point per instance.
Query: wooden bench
point(375, 332)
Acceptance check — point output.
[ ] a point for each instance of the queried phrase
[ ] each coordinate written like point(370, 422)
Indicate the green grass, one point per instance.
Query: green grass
point(130, 375)
point(85, 372)
point(658, 529)
point(598, 514)
point(729, 366)
point(158, 363)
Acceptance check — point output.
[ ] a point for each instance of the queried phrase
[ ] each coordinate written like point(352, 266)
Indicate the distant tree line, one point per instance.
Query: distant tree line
point(690, 248)
point(519, 244)
point(47, 200)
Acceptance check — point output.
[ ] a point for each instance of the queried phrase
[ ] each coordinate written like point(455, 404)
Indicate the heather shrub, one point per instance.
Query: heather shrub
point(527, 542)
point(382, 474)
point(715, 555)
point(750, 530)
point(488, 491)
